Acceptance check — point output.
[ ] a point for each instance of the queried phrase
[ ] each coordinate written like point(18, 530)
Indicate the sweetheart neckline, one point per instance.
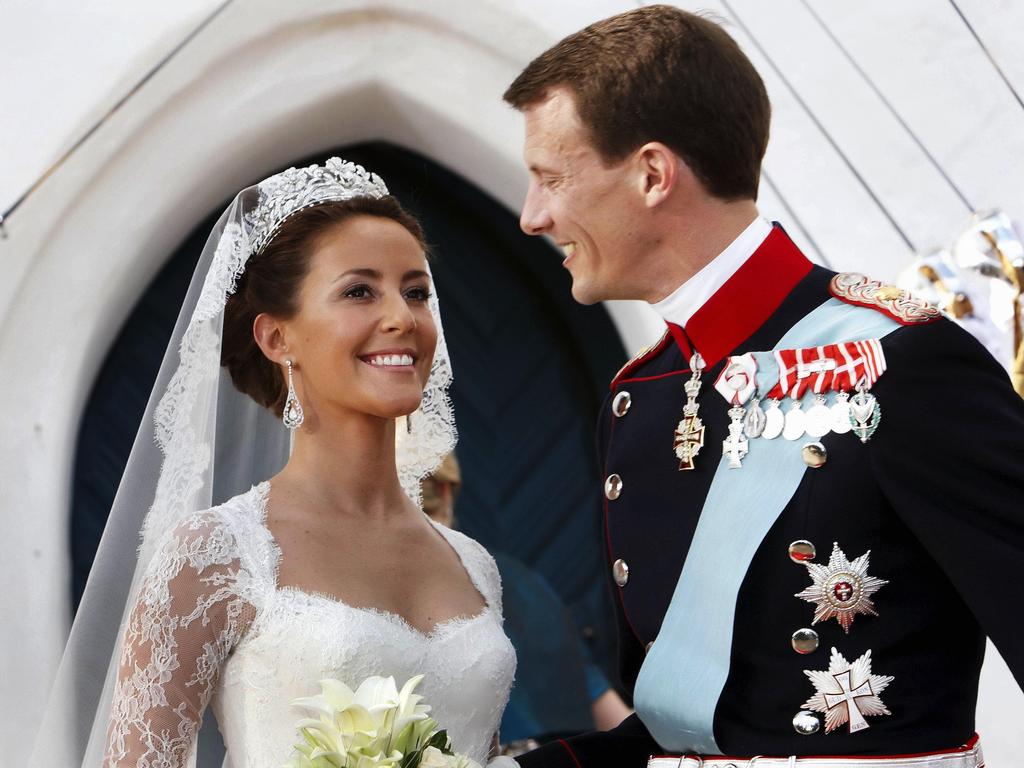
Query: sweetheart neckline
point(262, 491)
point(441, 629)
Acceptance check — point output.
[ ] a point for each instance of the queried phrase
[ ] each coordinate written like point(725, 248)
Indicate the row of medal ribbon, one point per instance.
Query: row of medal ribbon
point(833, 369)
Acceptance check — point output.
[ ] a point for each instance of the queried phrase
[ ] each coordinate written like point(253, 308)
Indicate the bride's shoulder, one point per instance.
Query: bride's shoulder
point(478, 561)
point(240, 516)
point(233, 530)
point(465, 545)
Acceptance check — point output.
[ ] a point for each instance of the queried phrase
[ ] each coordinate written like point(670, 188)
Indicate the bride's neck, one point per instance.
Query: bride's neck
point(348, 464)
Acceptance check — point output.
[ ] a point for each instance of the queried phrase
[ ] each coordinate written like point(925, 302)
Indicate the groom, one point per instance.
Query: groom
point(794, 573)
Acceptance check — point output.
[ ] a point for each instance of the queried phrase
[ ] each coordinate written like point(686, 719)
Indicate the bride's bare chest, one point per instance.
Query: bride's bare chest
point(410, 571)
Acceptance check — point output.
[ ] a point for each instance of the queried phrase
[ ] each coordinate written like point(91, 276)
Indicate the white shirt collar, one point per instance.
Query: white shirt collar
point(680, 305)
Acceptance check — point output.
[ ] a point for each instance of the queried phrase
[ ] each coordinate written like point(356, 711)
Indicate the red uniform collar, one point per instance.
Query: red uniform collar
point(745, 301)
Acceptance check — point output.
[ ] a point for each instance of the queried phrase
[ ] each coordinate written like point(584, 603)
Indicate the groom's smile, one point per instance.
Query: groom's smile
point(588, 207)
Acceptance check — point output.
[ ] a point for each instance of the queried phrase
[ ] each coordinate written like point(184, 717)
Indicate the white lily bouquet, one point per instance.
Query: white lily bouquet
point(375, 726)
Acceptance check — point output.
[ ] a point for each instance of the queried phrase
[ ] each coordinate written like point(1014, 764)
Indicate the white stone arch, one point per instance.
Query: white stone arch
point(262, 85)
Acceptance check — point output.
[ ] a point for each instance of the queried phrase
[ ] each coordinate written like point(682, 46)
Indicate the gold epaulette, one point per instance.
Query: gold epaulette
point(900, 305)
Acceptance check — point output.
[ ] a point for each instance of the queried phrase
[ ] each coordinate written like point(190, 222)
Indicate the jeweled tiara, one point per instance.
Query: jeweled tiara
point(286, 193)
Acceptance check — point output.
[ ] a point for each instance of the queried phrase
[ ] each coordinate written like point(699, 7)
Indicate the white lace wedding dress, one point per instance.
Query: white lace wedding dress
point(212, 627)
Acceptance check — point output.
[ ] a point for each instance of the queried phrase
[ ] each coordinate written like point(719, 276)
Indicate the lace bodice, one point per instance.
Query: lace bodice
point(211, 627)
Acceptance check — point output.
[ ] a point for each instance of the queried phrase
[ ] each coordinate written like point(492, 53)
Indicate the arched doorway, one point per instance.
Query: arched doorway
point(531, 369)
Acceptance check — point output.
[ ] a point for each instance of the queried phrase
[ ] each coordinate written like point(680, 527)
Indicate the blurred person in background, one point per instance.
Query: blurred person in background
point(559, 690)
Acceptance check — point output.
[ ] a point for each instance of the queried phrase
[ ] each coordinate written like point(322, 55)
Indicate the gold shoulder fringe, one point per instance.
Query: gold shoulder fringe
point(902, 306)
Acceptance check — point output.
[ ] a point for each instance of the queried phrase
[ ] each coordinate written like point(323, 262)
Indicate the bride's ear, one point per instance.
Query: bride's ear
point(269, 334)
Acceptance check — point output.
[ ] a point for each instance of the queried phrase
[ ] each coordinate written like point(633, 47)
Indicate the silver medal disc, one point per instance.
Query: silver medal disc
point(754, 421)
point(795, 422)
point(818, 420)
point(841, 414)
point(774, 421)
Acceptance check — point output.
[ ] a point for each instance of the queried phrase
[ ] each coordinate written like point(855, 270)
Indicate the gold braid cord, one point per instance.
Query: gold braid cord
point(900, 305)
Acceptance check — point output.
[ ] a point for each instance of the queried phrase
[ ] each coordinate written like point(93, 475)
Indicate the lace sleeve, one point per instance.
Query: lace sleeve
point(189, 615)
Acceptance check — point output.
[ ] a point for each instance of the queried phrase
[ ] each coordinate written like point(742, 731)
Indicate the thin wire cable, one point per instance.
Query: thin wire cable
point(988, 53)
point(828, 137)
point(108, 114)
point(888, 105)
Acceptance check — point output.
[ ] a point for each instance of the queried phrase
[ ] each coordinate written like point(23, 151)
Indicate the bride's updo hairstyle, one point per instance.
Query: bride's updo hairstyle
point(271, 283)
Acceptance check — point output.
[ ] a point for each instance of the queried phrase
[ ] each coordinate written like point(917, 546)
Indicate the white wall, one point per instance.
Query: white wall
point(264, 82)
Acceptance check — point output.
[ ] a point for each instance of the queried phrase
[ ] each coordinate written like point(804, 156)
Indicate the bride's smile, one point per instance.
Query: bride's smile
point(400, 360)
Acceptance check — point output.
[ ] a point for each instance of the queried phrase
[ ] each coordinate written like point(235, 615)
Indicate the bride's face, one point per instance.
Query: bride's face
point(363, 338)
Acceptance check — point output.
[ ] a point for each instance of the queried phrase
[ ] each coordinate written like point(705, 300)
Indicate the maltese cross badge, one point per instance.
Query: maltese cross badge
point(847, 693)
point(841, 589)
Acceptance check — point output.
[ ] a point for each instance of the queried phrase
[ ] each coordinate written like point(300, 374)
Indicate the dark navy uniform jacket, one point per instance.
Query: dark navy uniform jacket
point(936, 495)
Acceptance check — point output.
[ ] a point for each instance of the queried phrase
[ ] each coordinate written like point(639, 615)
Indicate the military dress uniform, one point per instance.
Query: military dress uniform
point(856, 618)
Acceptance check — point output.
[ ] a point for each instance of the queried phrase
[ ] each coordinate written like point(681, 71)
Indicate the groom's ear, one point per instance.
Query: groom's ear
point(660, 170)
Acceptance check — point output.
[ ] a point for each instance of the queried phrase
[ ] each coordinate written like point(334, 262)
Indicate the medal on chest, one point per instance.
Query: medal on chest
point(689, 435)
point(793, 427)
point(841, 589)
point(840, 411)
point(845, 369)
point(755, 421)
point(820, 372)
point(865, 412)
point(774, 421)
point(737, 383)
point(847, 693)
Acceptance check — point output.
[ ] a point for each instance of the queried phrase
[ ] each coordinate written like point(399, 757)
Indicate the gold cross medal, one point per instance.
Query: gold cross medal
point(689, 437)
point(847, 693)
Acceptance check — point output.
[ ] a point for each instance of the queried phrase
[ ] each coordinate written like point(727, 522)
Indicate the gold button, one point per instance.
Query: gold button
point(620, 571)
point(814, 455)
point(613, 487)
point(801, 551)
point(621, 403)
point(888, 293)
point(805, 641)
point(805, 723)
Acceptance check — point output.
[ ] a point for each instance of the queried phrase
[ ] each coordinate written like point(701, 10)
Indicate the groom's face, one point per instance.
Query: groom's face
point(591, 210)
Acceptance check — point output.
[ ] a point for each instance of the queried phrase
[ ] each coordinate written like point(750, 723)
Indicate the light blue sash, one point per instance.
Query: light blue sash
point(683, 675)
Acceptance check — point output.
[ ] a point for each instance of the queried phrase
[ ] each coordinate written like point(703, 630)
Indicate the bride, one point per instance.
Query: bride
point(314, 298)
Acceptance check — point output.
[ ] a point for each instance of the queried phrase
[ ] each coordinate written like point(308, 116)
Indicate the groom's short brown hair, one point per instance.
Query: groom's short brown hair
point(661, 74)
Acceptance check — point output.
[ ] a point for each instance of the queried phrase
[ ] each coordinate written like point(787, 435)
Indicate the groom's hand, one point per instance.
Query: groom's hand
point(627, 746)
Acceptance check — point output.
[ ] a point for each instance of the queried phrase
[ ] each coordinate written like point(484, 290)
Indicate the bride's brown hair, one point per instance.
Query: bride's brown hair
point(271, 282)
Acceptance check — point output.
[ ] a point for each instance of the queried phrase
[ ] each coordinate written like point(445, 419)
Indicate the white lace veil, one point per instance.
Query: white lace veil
point(202, 442)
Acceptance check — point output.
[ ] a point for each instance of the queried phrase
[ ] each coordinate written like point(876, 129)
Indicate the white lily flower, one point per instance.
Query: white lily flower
point(377, 693)
point(375, 726)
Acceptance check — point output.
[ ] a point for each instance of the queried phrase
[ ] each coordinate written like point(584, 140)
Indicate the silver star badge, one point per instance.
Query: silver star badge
point(847, 693)
point(841, 589)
